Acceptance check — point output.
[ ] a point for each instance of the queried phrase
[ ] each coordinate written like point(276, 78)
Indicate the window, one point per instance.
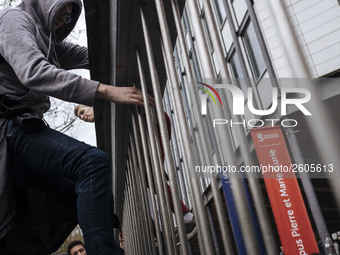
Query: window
point(186, 25)
point(220, 10)
point(254, 51)
point(240, 9)
point(237, 73)
point(207, 34)
point(226, 36)
point(236, 66)
point(221, 15)
point(200, 4)
point(195, 64)
point(216, 63)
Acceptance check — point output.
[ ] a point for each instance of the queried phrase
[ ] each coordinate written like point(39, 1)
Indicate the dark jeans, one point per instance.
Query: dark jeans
point(78, 173)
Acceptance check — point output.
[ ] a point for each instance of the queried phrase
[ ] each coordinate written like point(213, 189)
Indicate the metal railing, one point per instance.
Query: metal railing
point(148, 223)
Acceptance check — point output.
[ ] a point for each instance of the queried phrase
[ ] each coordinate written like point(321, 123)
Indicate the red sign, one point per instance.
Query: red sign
point(285, 197)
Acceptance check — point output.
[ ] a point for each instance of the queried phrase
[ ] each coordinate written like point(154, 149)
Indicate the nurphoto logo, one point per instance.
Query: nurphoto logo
point(278, 102)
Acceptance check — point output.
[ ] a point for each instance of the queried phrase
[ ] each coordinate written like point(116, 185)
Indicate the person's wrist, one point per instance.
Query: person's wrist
point(102, 91)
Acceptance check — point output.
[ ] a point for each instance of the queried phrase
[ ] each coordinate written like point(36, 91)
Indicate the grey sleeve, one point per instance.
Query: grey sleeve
point(19, 48)
point(72, 56)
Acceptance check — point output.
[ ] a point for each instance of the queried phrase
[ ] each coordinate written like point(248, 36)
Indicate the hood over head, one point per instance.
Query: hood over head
point(44, 12)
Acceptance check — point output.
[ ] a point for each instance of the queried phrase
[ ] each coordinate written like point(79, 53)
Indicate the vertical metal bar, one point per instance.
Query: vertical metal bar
point(133, 218)
point(202, 131)
point(243, 211)
point(199, 208)
point(201, 244)
point(128, 244)
point(127, 230)
point(161, 168)
point(141, 201)
point(159, 180)
point(141, 183)
point(213, 230)
point(238, 50)
point(259, 203)
point(125, 226)
point(167, 153)
point(310, 193)
point(150, 179)
point(131, 233)
point(293, 143)
point(327, 144)
point(160, 162)
point(124, 218)
point(259, 36)
point(182, 177)
point(133, 229)
point(143, 172)
point(136, 203)
point(158, 174)
point(126, 221)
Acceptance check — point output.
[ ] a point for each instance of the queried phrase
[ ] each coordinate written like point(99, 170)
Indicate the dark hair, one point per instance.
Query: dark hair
point(76, 109)
point(72, 244)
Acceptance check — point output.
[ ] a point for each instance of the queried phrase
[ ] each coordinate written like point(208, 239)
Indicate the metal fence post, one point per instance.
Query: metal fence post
point(159, 179)
point(327, 144)
point(199, 208)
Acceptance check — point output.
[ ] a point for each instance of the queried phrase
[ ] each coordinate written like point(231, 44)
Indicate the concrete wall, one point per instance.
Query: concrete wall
point(317, 26)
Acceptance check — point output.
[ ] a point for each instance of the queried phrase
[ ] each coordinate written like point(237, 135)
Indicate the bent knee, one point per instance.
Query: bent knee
point(99, 156)
point(96, 162)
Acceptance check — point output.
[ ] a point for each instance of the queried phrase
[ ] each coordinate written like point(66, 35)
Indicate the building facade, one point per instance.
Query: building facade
point(184, 53)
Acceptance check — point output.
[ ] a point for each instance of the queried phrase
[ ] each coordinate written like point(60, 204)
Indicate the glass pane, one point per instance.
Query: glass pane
point(221, 12)
point(237, 73)
point(227, 37)
point(207, 34)
point(188, 40)
point(240, 9)
point(236, 67)
point(195, 64)
point(254, 51)
point(216, 63)
point(200, 4)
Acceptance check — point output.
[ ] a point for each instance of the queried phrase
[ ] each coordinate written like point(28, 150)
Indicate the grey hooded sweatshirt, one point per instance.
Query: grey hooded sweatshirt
point(35, 58)
point(33, 63)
